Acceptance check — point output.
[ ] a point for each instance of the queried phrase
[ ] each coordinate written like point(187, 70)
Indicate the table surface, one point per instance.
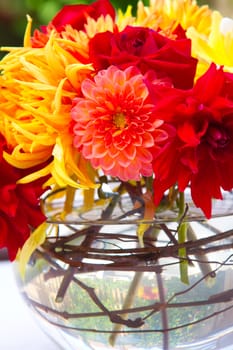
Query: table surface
point(18, 328)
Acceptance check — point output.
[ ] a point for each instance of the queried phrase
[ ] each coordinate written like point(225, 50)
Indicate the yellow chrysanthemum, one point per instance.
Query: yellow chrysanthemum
point(213, 48)
point(37, 86)
point(167, 14)
point(78, 41)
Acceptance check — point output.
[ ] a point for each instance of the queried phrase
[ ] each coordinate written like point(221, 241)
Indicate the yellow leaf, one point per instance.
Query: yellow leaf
point(34, 241)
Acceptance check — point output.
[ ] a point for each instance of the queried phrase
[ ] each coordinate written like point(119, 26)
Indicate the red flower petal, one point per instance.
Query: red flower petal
point(19, 208)
point(76, 15)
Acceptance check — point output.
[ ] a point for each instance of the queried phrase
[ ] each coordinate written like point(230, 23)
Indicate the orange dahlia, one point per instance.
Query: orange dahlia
point(114, 124)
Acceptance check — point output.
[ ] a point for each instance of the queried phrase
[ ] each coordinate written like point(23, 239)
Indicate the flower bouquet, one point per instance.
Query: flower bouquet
point(118, 119)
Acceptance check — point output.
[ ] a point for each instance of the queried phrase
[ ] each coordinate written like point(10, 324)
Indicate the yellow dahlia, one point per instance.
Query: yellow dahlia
point(215, 47)
point(166, 15)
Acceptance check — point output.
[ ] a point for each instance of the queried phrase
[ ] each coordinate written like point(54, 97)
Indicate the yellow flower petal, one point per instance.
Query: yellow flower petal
point(77, 72)
point(62, 157)
point(212, 48)
point(27, 35)
point(36, 175)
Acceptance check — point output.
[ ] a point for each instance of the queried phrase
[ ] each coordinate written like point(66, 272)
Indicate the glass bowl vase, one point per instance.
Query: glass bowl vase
point(93, 285)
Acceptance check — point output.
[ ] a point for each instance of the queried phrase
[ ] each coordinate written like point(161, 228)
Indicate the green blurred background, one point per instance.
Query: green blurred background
point(13, 19)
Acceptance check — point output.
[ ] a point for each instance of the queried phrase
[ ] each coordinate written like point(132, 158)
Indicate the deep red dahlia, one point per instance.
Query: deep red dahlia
point(200, 154)
point(19, 208)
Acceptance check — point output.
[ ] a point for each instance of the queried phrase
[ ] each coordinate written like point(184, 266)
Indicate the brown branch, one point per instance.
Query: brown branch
point(153, 308)
point(67, 316)
point(114, 318)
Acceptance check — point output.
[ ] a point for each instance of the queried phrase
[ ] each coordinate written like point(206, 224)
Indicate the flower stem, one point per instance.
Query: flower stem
point(127, 304)
point(183, 254)
point(68, 206)
point(182, 234)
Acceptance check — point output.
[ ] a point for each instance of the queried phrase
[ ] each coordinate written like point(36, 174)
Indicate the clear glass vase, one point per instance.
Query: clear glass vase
point(93, 286)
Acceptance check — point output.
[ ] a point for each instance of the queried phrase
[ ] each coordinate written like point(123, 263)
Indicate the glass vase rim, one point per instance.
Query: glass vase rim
point(220, 208)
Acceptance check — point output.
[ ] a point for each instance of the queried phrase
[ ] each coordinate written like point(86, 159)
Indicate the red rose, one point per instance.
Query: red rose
point(148, 50)
point(19, 207)
point(200, 154)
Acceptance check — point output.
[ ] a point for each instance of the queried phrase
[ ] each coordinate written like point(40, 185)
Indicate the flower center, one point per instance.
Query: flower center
point(119, 120)
point(217, 137)
point(137, 43)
